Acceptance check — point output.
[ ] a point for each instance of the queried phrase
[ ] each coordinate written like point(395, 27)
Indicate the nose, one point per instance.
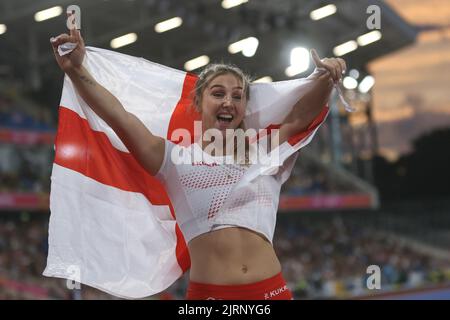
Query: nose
point(227, 101)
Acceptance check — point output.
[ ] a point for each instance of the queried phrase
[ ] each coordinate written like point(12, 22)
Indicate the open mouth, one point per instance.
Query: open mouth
point(225, 117)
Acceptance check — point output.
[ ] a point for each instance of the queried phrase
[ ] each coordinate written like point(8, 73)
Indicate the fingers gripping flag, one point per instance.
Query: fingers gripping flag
point(111, 221)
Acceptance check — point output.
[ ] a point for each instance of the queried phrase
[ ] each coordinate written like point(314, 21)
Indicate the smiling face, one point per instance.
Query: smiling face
point(223, 103)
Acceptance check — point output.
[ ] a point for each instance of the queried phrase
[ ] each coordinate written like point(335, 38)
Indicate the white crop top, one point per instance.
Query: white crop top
point(205, 195)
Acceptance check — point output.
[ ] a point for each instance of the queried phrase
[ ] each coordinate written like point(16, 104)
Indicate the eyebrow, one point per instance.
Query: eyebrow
point(221, 86)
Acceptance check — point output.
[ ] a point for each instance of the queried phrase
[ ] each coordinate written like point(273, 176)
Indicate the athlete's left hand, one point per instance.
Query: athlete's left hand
point(335, 67)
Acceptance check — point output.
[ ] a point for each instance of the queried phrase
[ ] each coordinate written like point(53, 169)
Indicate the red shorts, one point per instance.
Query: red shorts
point(273, 288)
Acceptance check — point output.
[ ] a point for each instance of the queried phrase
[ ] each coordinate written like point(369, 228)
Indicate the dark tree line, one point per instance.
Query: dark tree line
point(423, 173)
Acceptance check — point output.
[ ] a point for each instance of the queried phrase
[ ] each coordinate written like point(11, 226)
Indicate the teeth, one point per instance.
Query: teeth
point(226, 116)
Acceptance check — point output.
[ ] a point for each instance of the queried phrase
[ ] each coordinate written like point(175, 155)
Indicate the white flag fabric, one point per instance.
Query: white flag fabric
point(112, 225)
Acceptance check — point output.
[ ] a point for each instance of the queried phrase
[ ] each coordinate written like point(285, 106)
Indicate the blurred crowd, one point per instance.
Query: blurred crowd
point(17, 112)
point(309, 178)
point(23, 247)
point(329, 258)
point(321, 258)
point(23, 254)
point(25, 168)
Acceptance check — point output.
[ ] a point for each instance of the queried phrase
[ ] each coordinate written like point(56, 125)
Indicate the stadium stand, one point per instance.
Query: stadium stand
point(324, 255)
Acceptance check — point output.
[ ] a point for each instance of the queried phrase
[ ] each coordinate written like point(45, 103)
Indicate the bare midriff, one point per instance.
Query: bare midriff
point(232, 256)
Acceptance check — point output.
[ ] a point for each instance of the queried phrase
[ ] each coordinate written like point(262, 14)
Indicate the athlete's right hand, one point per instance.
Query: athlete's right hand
point(73, 59)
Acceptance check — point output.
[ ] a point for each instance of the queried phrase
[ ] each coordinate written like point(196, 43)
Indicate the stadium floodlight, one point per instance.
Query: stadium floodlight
point(248, 46)
point(299, 61)
point(323, 12)
point(369, 37)
point(350, 83)
point(2, 28)
point(123, 40)
point(48, 13)
point(265, 79)
point(169, 24)
point(366, 84)
point(237, 46)
point(300, 57)
point(227, 4)
point(345, 48)
point(196, 63)
point(293, 71)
